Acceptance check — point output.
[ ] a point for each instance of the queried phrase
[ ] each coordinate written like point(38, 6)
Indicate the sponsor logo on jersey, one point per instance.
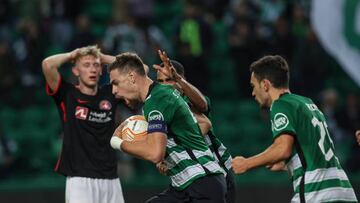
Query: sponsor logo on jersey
point(155, 115)
point(105, 105)
point(81, 112)
point(280, 121)
point(100, 117)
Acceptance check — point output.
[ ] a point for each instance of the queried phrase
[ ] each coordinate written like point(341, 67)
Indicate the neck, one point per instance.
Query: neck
point(276, 93)
point(144, 88)
point(88, 90)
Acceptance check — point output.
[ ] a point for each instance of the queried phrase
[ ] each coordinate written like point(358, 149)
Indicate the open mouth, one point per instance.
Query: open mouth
point(94, 78)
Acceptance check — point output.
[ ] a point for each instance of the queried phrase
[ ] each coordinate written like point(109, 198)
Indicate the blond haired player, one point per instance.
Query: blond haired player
point(87, 116)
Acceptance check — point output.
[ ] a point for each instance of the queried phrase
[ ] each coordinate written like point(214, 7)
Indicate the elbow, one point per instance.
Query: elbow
point(45, 64)
point(209, 124)
point(285, 153)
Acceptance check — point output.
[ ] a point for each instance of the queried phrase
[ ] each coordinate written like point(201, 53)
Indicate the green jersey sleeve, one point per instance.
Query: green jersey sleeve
point(282, 118)
point(159, 112)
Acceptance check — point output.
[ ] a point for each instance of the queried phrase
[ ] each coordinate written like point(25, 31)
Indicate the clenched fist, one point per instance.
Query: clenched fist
point(239, 165)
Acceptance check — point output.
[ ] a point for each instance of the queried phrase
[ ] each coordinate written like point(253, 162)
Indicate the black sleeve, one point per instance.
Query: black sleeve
point(59, 94)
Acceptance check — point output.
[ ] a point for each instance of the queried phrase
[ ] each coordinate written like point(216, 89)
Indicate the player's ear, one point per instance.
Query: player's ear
point(75, 70)
point(132, 77)
point(266, 84)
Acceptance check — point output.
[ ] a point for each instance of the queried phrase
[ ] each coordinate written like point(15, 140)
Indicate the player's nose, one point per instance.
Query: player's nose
point(113, 90)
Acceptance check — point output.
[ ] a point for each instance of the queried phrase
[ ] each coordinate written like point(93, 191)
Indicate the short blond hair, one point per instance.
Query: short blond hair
point(92, 50)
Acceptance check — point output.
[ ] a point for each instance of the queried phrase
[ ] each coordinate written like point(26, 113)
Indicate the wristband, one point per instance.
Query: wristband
point(116, 142)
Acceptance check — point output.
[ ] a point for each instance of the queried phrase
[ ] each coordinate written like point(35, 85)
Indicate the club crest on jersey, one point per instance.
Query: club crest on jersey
point(105, 105)
point(155, 115)
point(81, 112)
point(280, 121)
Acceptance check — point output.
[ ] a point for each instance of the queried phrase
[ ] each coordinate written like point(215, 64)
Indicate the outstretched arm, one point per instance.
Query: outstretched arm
point(195, 96)
point(51, 64)
point(279, 151)
point(204, 123)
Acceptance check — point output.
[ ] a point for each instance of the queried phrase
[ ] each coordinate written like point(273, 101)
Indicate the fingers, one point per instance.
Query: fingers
point(239, 165)
point(157, 67)
point(164, 58)
point(118, 130)
point(74, 53)
point(161, 166)
point(280, 166)
point(163, 70)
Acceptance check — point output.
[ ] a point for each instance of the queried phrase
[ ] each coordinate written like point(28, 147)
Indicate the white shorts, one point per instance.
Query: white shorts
point(92, 190)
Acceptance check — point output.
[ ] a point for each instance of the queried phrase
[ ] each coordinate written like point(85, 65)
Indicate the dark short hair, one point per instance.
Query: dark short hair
point(178, 67)
point(126, 62)
point(274, 68)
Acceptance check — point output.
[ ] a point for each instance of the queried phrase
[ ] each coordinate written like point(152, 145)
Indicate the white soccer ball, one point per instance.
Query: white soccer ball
point(135, 129)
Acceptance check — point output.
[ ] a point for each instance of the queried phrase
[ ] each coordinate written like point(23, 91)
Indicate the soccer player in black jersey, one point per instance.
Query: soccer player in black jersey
point(87, 115)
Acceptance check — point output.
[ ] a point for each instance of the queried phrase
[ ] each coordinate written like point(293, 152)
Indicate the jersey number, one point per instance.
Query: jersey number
point(324, 133)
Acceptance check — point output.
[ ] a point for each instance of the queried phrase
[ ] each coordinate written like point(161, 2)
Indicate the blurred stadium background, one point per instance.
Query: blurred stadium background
point(216, 40)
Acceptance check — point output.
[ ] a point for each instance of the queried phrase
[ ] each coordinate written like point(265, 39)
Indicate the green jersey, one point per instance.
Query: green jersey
point(187, 156)
point(315, 170)
point(220, 152)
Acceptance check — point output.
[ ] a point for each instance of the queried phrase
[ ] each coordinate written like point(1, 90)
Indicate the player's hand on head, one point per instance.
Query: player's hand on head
point(239, 165)
point(357, 134)
point(162, 167)
point(74, 53)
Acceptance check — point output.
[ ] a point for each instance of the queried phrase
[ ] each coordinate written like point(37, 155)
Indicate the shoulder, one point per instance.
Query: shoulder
point(164, 94)
point(282, 104)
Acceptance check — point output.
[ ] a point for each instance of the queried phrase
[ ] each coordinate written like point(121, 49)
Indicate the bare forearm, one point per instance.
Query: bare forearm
point(204, 123)
point(196, 98)
point(137, 149)
point(107, 59)
point(56, 61)
point(272, 155)
point(147, 149)
point(50, 67)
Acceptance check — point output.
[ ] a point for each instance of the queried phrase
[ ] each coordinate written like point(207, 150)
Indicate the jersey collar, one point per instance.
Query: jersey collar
point(151, 87)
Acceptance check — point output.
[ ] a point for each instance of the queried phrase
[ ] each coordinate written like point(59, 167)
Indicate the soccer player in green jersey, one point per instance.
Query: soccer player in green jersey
point(172, 72)
point(357, 135)
point(173, 135)
point(301, 138)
